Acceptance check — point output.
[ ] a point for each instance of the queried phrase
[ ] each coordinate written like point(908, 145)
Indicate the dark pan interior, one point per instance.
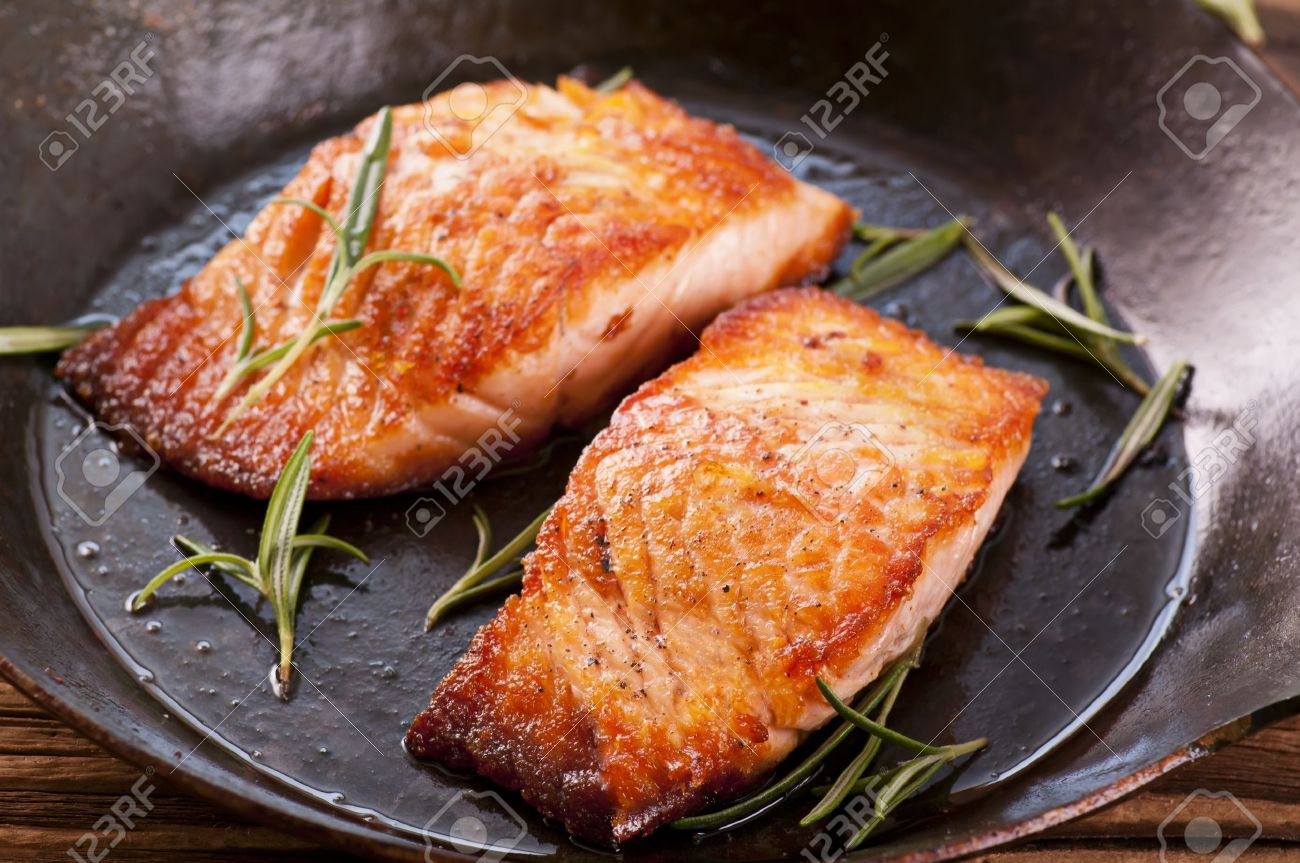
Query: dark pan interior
point(1001, 113)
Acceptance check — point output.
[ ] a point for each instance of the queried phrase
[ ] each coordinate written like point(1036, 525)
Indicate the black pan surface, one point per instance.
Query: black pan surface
point(1089, 647)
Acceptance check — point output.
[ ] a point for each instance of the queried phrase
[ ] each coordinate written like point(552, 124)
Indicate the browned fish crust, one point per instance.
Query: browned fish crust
point(578, 196)
point(685, 593)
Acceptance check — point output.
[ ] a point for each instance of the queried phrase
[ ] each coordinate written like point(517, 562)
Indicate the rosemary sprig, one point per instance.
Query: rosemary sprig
point(1029, 295)
point(804, 769)
point(40, 340)
point(1035, 327)
point(835, 794)
point(615, 82)
point(282, 555)
point(1082, 268)
point(897, 784)
point(893, 257)
point(860, 720)
point(1137, 435)
point(247, 361)
point(347, 263)
point(1029, 335)
point(475, 582)
point(903, 781)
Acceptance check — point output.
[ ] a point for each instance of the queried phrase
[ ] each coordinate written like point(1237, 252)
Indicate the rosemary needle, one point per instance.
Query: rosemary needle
point(835, 795)
point(1082, 269)
point(509, 581)
point(860, 720)
point(282, 555)
point(615, 82)
point(1137, 435)
point(1028, 294)
point(903, 781)
point(892, 259)
point(483, 567)
point(40, 340)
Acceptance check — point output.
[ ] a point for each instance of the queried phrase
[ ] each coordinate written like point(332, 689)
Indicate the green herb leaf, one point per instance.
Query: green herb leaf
point(275, 550)
point(1032, 296)
point(282, 556)
point(380, 257)
point(783, 786)
point(232, 560)
point(1137, 436)
point(878, 270)
point(329, 328)
point(869, 233)
point(298, 568)
point(1029, 335)
point(502, 584)
point(352, 235)
point(40, 340)
point(363, 202)
point(248, 328)
point(861, 721)
point(1081, 264)
point(615, 81)
point(839, 790)
point(334, 226)
point(481, 570)
point(903, 781)
point(243, 570)
point(317, 540)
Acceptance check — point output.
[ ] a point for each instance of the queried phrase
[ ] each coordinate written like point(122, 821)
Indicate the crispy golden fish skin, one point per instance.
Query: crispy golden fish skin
point(797, 499)
point(592, 231)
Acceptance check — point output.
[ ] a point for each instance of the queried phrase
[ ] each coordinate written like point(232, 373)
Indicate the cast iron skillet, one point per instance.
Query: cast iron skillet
point(1151, 632)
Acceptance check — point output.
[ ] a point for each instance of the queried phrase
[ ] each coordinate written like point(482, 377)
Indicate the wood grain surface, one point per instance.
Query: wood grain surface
point(55, 784)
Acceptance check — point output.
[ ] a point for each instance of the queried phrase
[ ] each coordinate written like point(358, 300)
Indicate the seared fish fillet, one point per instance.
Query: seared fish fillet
point(799, 498)
point(591, 231)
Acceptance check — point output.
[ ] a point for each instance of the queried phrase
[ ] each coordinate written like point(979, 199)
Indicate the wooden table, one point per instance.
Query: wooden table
point(55, 784)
